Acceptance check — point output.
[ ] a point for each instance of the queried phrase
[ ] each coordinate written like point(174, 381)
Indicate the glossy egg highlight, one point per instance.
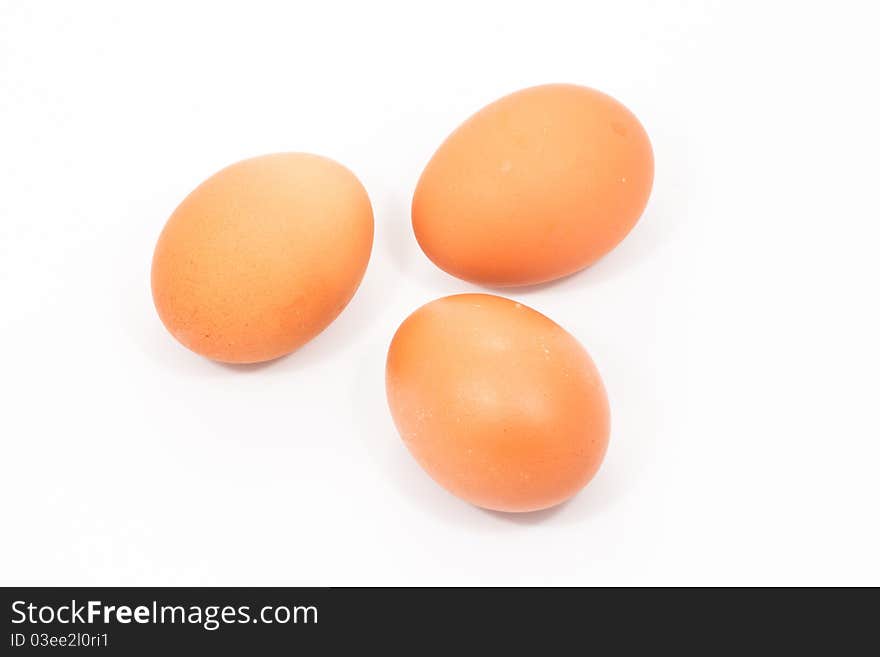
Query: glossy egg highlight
point(499, 404)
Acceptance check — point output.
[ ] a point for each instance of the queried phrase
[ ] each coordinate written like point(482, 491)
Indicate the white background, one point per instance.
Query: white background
point(736, 328)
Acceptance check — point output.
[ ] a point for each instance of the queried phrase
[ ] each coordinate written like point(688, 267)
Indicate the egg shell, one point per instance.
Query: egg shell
point(533, 187)
point(499, 404)
point(262, 256)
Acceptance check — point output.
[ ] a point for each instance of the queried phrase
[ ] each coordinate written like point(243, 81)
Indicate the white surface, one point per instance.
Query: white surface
point(736, 328)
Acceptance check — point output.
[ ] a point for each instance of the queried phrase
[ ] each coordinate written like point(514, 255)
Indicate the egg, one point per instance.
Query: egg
point(499, 404)
point(262, 256)
point(534, 187)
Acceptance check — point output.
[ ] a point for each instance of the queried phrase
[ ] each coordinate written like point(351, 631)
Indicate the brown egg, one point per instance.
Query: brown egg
point(533, 187)
point(498, 403)
point(262, 256)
